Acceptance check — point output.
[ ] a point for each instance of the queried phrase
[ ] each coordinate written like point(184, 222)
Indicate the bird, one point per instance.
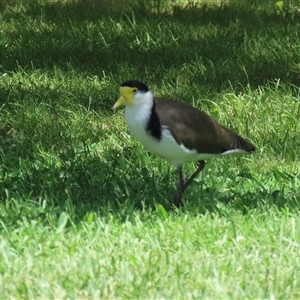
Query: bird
point(176, 132)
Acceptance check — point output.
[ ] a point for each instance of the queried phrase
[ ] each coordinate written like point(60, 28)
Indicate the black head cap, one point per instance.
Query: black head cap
point(136, 84)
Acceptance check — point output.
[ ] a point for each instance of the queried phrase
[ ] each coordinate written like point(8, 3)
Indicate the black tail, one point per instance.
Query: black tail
point(237, 142)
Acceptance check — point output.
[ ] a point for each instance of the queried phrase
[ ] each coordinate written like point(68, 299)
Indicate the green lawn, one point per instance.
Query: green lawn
point(86, 212)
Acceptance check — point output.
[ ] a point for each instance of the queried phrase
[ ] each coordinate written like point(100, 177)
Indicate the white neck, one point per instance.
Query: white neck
point(138, 114)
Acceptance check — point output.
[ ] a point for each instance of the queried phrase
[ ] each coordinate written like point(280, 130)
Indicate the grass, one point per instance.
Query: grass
point(85, 211)
point(180, 256)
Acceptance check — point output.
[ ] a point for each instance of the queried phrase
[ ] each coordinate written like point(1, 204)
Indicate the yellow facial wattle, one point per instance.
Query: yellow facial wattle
point(126, 96)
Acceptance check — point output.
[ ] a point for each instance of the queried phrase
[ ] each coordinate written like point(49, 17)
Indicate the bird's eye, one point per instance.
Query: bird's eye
point(134, 90)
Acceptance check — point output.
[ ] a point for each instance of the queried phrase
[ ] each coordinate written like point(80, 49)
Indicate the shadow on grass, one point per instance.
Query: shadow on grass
point(83, 182)
point(79, 182)
point(218, 202)
point(232, 43)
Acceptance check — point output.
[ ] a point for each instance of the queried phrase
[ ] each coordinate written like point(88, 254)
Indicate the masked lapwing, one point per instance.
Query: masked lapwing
point(175, 131)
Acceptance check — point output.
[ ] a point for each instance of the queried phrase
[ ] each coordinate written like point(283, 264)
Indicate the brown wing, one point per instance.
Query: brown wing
point(197, 130)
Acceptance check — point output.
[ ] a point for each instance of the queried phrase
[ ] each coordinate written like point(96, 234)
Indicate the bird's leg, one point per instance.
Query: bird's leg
point(181, 186)
point(201, 165)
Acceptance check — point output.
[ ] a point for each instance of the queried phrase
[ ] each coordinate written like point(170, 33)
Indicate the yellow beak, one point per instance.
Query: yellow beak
point(126, 97)
point(120, 101)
